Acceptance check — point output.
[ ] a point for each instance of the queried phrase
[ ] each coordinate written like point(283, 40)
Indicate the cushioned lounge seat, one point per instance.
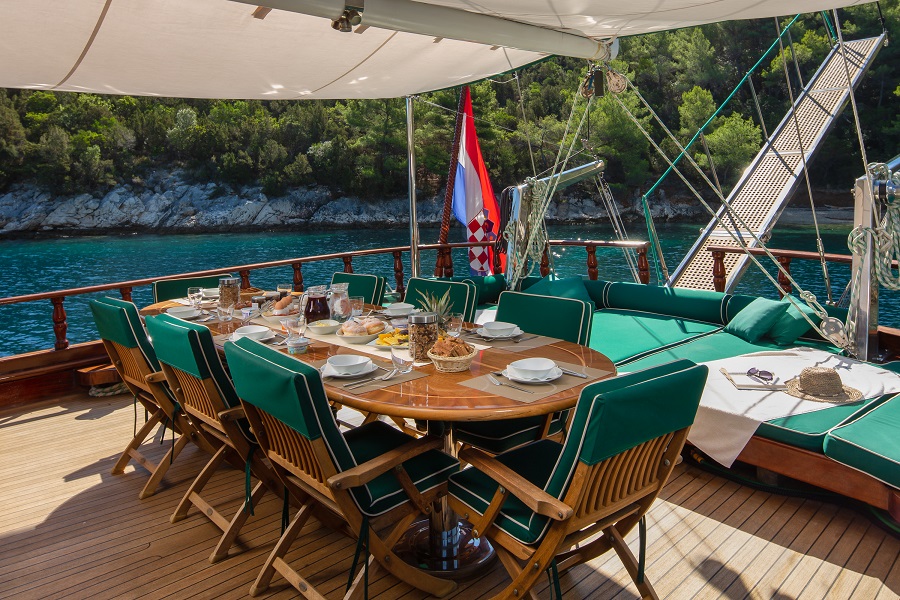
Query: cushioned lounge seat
point(870, 443)
point(626, 334)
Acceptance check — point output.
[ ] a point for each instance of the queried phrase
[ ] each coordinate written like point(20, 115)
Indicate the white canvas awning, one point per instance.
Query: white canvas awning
point(219, 49)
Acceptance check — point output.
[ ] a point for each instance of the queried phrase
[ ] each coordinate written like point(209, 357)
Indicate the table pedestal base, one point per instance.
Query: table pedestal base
point(455, 555)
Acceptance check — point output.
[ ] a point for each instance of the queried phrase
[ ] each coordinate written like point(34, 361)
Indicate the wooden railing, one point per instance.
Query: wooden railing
point(443, 268)
point(784, 258)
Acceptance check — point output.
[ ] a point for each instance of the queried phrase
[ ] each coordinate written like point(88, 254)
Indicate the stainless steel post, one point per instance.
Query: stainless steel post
point(413, 219)
point(866, 341)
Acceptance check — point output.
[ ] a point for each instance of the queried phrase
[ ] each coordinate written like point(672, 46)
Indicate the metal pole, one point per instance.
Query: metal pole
point(413, 219)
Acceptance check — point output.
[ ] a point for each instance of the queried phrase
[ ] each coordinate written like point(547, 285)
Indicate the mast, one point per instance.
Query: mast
point(413, 219)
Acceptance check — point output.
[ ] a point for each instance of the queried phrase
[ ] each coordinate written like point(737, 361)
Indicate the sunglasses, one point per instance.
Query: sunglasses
point(760, 374)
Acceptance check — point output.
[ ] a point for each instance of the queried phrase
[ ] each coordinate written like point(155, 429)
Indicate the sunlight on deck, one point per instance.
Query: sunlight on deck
point(71, 529)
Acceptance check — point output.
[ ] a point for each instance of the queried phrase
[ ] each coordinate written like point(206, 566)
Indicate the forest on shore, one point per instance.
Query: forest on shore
point(69, 143)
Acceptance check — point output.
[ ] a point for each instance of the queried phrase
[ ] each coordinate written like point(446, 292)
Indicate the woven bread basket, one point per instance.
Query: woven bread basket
point(452, 364)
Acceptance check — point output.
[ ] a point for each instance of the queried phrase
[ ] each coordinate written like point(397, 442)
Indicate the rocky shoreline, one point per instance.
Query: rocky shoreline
point(166, 203)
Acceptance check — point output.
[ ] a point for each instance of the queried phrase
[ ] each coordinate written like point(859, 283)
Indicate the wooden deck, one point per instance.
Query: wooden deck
point(70, 529)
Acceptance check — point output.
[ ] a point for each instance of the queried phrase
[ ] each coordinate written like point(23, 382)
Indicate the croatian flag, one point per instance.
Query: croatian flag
point(474, 204)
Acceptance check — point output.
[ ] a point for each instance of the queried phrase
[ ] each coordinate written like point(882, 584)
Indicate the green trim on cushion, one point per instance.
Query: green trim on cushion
point(696, 305)
point(488, 287)
point(752, 323)
point(808, 430)
point(190, 348)
point(625, 334)
point(561, 287)
point(527, 282)
point(870, 443)
point(597, 289)
point(167, 289)
point(370, 287)
point(792, 324)
point(560, 317)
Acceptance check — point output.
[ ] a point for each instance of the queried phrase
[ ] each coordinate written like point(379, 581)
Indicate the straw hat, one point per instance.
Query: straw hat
point(822, 384)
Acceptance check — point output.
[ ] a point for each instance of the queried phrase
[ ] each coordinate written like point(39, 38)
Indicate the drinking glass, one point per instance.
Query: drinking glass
point(402, 359)
point(284, 289)
point(357, 304)
point(195, 296)
point(295, 326)
point(454, 324)
point(225, 312)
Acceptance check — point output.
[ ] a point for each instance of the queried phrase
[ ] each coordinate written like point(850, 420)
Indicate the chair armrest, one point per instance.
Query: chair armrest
point(157, 377)
point(369, 470)
point(531, 495)
point(233, 414)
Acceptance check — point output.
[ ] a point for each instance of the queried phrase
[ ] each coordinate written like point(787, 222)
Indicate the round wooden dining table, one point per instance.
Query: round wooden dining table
point(442, 541)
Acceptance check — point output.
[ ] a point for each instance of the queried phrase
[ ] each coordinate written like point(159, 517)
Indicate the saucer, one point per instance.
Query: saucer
point(328, 371)
point(512, 375)
point(183, 312)
point(265, 339)
point(481, 332)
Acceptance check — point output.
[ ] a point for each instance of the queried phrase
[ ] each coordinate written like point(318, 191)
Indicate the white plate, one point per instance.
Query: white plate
point(210, 292)
point(362, 339)
point(374, 343)
point(183, 312)
point(328, 371)
point(510, 374)
point(480, 331)
point(267, 338)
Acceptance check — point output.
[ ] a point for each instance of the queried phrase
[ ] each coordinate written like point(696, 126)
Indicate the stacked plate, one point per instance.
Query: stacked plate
point(533, 370)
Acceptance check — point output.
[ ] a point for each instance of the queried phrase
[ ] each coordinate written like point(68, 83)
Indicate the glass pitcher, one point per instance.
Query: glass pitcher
point(315, 304)
point(339, 302)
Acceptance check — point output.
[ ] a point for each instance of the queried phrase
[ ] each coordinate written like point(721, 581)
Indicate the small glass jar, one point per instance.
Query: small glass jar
point(423, 333)
point(257, 301)
point(229, 291)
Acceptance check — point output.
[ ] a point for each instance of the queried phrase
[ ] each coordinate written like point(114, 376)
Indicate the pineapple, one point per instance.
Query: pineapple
point(441, 306)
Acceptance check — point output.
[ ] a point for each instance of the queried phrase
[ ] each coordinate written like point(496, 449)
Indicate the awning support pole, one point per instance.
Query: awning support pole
point(413, 219)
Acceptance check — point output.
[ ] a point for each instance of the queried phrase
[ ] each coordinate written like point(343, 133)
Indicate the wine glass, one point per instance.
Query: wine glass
point(454, 324)
point(195, 296)
point(402, 359)
point(284, 290)
point(357, 305)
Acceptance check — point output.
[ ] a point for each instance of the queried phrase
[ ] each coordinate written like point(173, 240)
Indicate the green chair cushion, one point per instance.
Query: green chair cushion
point(808, 430)
point(119, 321)
point(626, 334)
point(463, 295)
point(488, 287)
point(190, 348)
point(871, 443)
point(561, 287)
point(167, 289)
point(756, 319)
point(370, 287)
point(535, 462)
point(292, 392)
point(560, 317)
point(500, 436)
point(792, 324)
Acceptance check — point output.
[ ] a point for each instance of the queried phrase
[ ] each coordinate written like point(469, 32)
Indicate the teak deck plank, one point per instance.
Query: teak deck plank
point(70, 529)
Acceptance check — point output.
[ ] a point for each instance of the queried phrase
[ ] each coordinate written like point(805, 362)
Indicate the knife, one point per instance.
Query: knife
point(573, 373)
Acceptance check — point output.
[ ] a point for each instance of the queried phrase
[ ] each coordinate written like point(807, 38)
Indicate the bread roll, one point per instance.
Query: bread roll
point(374, 326)
point(353, 328)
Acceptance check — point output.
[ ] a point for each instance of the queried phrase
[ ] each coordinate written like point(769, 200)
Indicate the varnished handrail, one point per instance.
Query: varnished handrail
point(784, 258)
point(444, 265)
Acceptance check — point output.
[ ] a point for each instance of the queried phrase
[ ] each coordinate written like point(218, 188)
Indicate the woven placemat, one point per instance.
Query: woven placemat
point(536, 391)
point(386, 367)
point(527, 342)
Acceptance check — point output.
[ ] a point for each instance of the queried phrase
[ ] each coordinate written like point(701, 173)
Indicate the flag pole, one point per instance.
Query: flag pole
point(413, 219)
point(441, 266)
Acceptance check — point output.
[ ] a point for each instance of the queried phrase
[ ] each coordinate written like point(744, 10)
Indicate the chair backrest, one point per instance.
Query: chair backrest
point(462, 294)
point(370, 287)
point(192, 366)
point(126, 343)
point(289, 393)
point(618, 415)
point(564, 318)
point(167, 289)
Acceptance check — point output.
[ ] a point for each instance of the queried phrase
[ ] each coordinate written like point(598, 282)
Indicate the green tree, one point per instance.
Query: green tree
point(733, 143)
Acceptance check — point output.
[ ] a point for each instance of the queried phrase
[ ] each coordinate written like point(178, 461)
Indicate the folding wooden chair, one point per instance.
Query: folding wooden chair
point(370, 477)
point(126, 343)
point(571, 321)
point(195, 374)
point(540, 502)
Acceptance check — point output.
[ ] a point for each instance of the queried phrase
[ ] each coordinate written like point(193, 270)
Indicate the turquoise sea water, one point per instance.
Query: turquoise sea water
point(32, 266)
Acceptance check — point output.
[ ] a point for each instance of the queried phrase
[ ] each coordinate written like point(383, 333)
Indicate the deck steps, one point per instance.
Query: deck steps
point(766, 187)
point(75, 531)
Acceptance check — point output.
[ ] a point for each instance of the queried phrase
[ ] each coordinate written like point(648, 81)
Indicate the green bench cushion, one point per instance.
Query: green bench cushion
point(625, 334)
point(756, 319)
point(871, 443)
point(709, 347)
point(695, 305)
point(808, 430)
point(561, 287)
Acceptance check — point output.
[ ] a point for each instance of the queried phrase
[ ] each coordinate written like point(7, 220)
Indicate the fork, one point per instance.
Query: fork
point(523, 339)
point(515, 387)
point(384, 377)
